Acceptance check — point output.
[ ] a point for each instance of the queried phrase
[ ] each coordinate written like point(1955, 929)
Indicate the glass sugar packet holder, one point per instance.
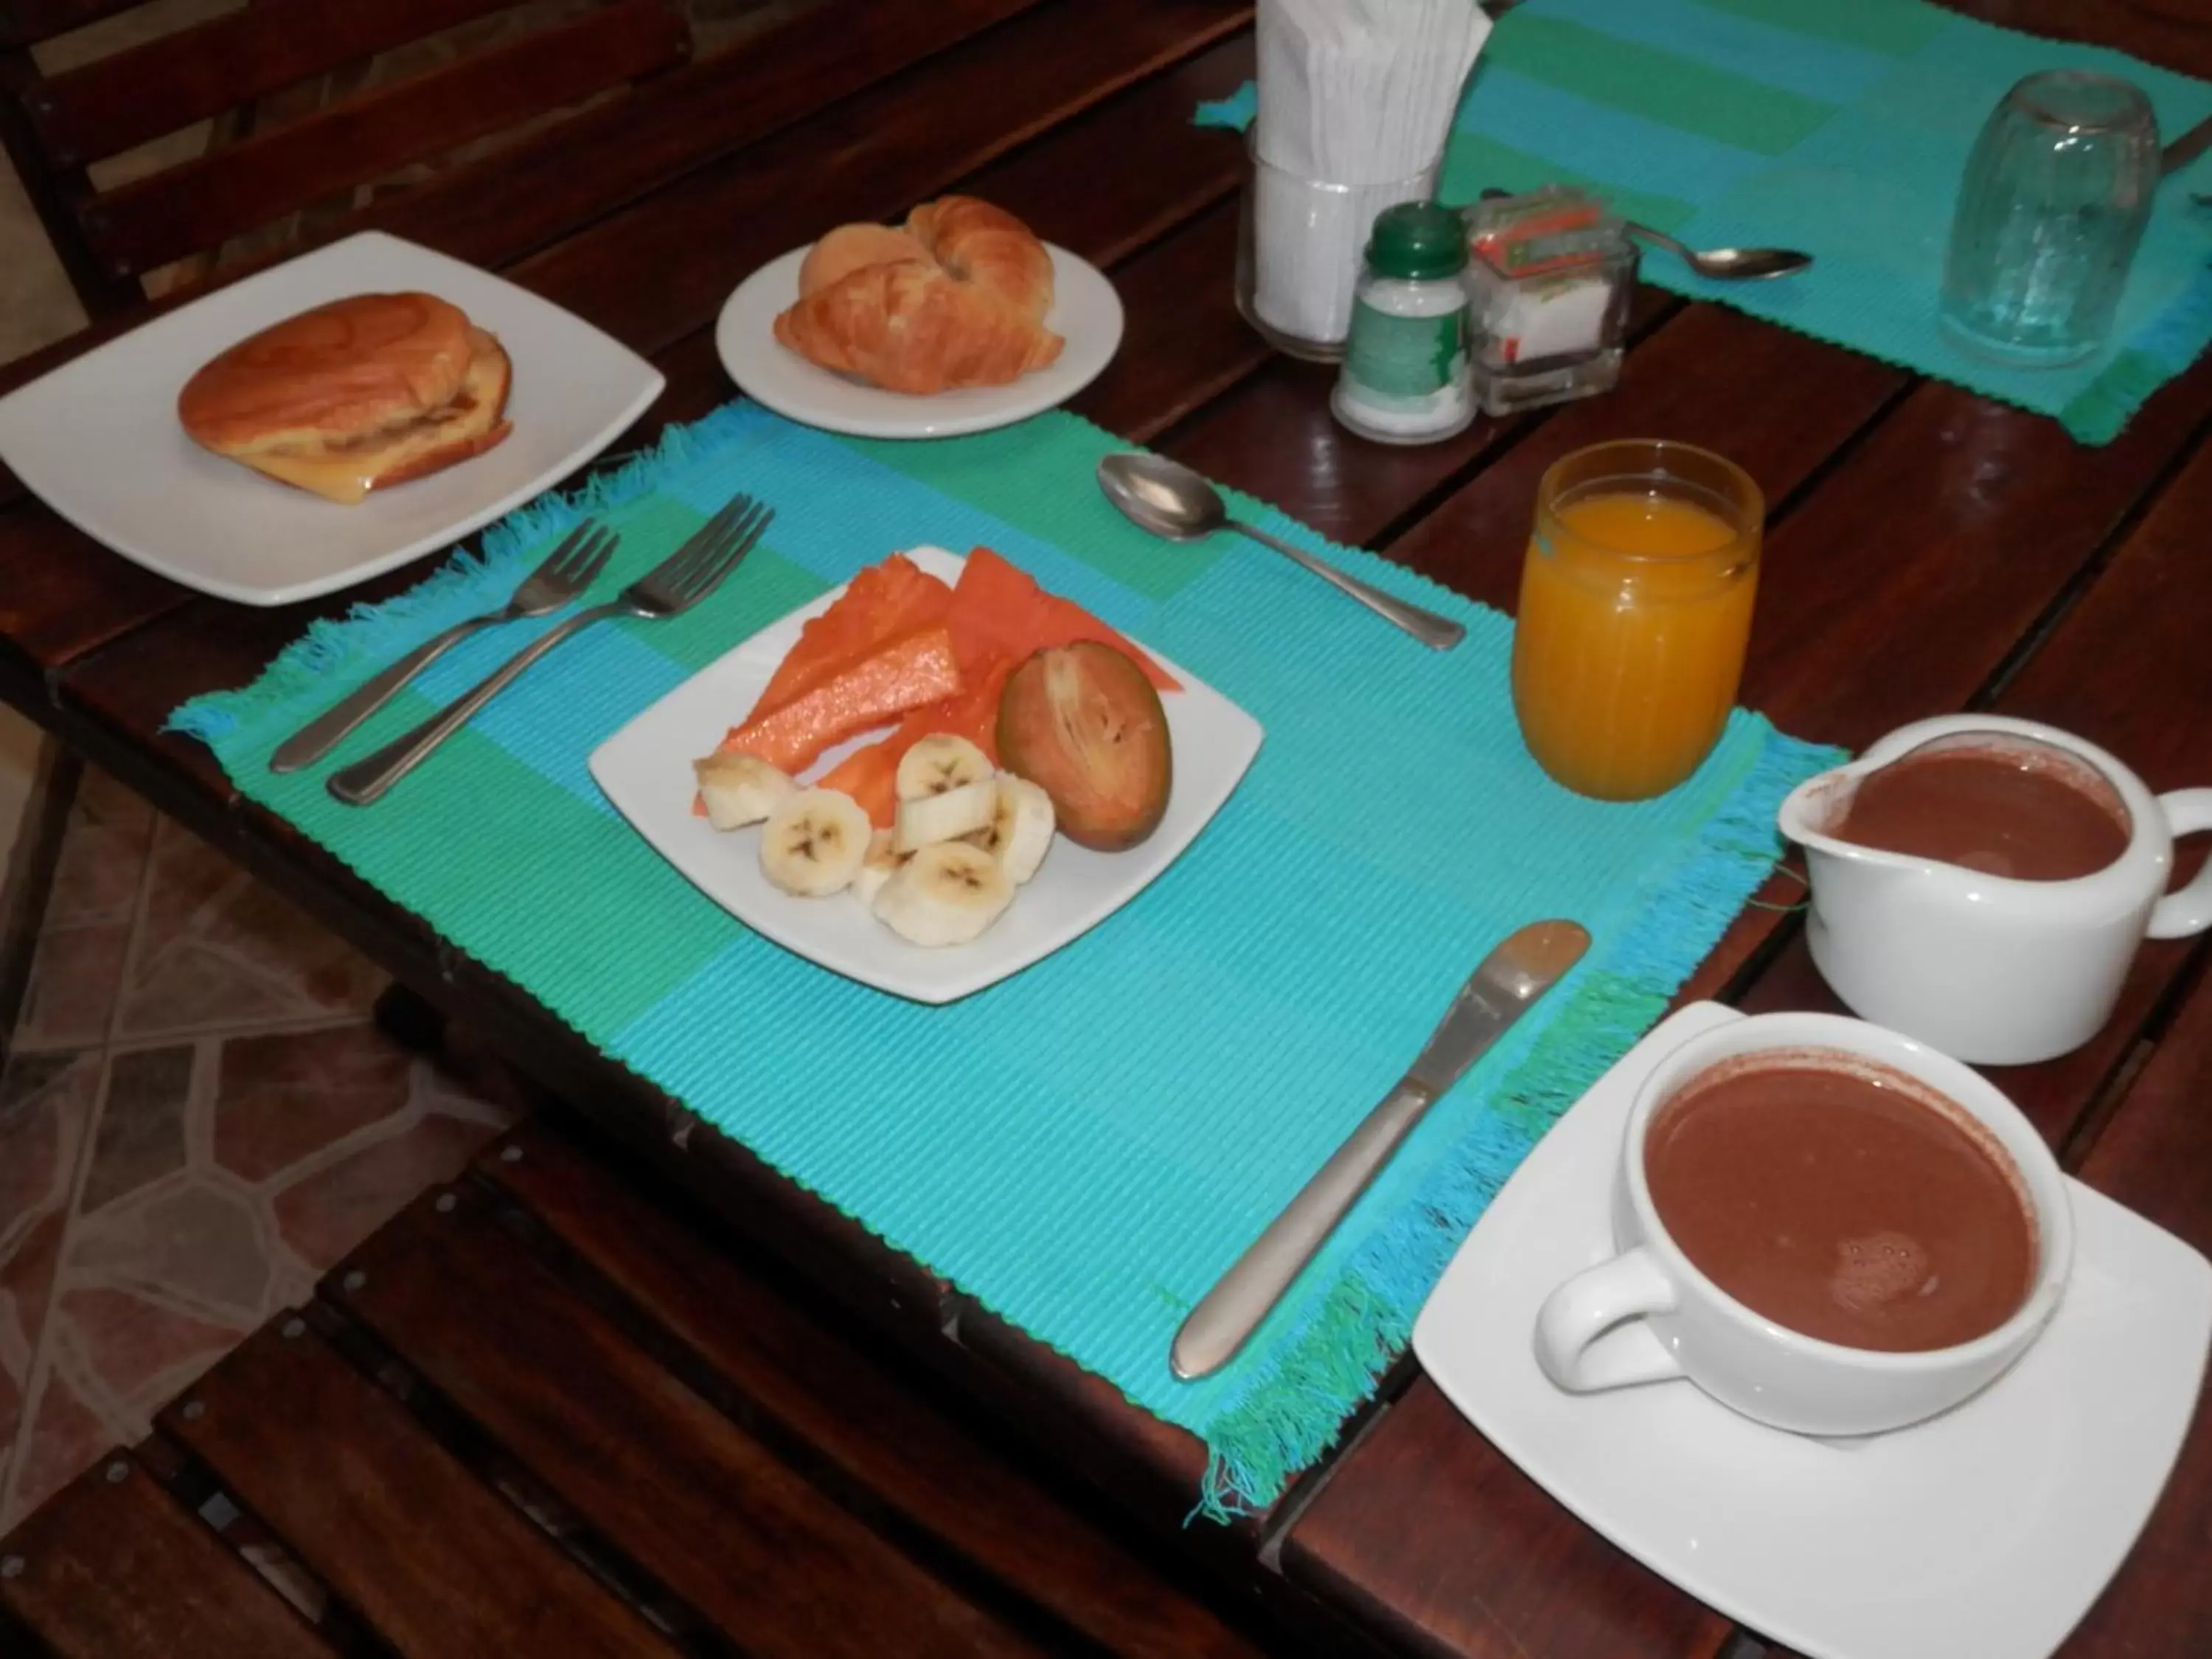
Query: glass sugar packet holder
point(1549, 276)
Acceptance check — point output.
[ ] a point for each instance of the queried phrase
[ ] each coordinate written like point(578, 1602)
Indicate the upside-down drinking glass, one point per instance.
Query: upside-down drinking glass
point(2056, 192)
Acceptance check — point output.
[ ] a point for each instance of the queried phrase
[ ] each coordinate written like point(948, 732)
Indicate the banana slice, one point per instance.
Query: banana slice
point(814, 842)
point(945, 894)
point(928, 819)
point(1019, 833)
point(740, 789)
point(882, 863)
point(939, 764)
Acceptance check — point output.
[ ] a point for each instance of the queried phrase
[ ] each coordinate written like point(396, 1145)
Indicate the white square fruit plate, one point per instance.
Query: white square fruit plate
point(646, 770)
point(99, 442)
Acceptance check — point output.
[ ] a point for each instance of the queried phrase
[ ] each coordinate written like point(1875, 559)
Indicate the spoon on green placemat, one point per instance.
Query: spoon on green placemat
point(1170, 500)
point(1725, 265)
point(1728, 265)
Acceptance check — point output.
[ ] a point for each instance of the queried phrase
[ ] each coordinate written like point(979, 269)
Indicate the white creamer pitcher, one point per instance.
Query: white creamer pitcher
point(1990, 970)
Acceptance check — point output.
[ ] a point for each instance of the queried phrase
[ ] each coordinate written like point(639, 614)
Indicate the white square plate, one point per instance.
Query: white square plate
point(98, 439)
point(1987, 1531)
point(646, 770)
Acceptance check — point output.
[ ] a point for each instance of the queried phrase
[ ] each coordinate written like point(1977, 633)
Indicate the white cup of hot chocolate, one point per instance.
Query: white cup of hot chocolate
point(1824, 1225)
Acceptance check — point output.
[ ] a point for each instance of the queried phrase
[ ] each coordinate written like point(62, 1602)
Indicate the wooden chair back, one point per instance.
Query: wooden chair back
point(55, 126)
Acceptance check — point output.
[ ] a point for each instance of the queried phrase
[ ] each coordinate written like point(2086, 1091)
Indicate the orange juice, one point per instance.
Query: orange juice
point(1635, 603)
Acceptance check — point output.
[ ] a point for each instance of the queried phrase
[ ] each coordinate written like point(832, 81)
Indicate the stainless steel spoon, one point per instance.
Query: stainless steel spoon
point(1728, 265)
point(1524, 965)
point(1170, 500)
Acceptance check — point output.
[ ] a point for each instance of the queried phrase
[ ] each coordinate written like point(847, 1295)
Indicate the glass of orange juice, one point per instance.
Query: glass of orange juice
point(1635, 608)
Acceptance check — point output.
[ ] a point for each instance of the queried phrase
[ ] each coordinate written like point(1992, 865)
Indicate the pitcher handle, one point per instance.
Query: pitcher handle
point(2189, 911)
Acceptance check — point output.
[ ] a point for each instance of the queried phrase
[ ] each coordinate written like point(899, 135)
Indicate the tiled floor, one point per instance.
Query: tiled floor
point(196, 1118)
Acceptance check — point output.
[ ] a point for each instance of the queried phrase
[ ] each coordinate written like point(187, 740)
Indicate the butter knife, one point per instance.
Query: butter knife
point(1524, 966)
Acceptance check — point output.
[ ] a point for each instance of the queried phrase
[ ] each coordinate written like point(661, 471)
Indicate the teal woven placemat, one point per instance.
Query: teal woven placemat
point(1842, 129)
point(1085, 1147)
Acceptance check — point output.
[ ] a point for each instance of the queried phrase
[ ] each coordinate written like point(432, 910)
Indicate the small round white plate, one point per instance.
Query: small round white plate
point(1085, 311)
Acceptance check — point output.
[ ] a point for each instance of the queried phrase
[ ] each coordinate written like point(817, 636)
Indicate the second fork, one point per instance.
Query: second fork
point(566, 572)
point(670, 588)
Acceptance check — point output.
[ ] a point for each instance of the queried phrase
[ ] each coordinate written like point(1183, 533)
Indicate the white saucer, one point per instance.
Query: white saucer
point(1987, 1531)
point(1085, 311)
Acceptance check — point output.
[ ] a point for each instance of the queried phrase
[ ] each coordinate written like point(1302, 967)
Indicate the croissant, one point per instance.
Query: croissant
point(956, 298)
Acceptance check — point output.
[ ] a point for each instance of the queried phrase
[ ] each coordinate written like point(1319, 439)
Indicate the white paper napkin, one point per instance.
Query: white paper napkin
point(1356, 99)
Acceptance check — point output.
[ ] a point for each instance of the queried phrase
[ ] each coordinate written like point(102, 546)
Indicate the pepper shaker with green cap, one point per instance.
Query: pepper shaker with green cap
point(1405, 379)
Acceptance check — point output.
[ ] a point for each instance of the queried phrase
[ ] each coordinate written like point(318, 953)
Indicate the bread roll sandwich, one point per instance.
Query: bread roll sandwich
point(364, 392)
point(956, 298)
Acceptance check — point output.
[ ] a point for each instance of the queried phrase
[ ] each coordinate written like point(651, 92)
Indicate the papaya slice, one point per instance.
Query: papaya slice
point(884, 602)
point(870, 775)
point(914, 669)
point(999, 610)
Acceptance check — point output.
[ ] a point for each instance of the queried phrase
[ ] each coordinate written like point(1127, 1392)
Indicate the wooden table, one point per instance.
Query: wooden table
point(1928, 551)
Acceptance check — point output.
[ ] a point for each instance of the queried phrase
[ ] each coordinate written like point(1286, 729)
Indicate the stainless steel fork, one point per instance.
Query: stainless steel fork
point(568, 571)
point(670, 588)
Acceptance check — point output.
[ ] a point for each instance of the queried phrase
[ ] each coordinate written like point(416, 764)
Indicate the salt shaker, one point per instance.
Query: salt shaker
point(1405, 375)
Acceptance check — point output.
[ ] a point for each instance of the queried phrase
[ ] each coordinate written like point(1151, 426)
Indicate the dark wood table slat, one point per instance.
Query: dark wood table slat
point(1429, 1535)
point(1185, 343)
point(2169, 33)
point(1129, 169)
point(203, 202)
point(1273, 437)
point(841, 1399)
point(1144, 169)
point(1777, 403)
point(655, 1469)
point(519, 201)
point(22, 22)
point(112, 1567)
point(63, 594)
point(206, 644)
point(438, 1564)
point(870, 158)
point(1920, 564)
point(103, 107)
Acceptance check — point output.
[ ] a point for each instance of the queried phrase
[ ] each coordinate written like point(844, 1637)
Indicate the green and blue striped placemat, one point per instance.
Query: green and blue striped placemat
point(1085, 1147)
point(1839, 129)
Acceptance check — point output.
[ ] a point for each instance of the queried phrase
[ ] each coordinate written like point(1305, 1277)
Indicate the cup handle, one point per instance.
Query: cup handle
point(2189, 911)
point(1591, 1304)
